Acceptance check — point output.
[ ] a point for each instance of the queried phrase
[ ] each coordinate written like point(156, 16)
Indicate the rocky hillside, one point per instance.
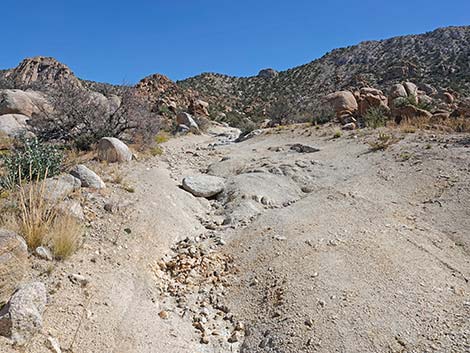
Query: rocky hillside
point(436, 61)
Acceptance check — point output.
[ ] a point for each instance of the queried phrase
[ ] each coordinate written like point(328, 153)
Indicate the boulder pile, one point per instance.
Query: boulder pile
point(17, 107)
point(404, 101)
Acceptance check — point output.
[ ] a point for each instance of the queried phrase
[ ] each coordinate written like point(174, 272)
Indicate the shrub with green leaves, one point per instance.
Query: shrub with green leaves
point(375, 117)
point(401, 102)
point(30, 160)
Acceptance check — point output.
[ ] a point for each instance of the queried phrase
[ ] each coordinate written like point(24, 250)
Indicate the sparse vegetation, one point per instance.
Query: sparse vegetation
point(404, 156)
point(65, 236)
point(162, 137)
point(36, 215)
point(30, 160)
point(323, 115)
point(375, 117)
point(382, 142)
point(82, 117)
point(38, 220)
point(156, 151)
point(337, 134)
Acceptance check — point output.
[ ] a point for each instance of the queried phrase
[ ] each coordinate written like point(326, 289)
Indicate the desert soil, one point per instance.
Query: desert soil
point(340, 250)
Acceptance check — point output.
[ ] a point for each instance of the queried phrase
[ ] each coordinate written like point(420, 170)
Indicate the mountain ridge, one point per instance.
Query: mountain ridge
point(437, 58)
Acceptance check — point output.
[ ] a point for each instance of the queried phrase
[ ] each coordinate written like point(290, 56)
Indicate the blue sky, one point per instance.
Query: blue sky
point(122, 41)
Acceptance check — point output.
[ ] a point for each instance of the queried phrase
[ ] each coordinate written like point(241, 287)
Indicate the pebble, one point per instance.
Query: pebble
point(164, 314)
point(78, 279)
point(43, 253)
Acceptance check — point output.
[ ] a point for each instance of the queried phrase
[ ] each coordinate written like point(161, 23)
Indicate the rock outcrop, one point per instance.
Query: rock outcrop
point(198, 108)
point(371, 98)
point(164, 94)
point(186, 120)
point(42, 71)
point(268, 73)
point(61, 186)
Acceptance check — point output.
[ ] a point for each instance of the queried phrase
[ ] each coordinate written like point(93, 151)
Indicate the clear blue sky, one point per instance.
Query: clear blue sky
point(122, 41)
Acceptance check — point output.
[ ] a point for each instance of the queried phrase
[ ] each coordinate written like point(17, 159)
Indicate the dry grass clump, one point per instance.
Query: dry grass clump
point(39, 221)
point(451, 124)
point(382, 142)
point(5, 142)
point(36, 214)
point(162, 137)
point(64, 236)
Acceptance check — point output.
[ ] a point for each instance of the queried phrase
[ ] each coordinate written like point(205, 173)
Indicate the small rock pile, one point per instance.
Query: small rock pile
point(196, 276)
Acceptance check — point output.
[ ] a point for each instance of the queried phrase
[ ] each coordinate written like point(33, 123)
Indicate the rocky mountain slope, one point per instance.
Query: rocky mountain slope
point(438, 60)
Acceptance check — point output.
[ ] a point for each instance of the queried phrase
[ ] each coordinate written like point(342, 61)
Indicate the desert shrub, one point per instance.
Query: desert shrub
point(82, 117)
point(337, 134)
point(241, 121)
point(375, 117)
point(323, 115)
point(412, 100)
point(156, 151)
point(404, 101)
point(383, 142)
point(30, 160)
point(280, 112)
point(162, 137)
point(6, 82)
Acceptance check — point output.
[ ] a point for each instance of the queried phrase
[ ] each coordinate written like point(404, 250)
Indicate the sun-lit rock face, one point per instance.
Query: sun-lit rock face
point(42, 70)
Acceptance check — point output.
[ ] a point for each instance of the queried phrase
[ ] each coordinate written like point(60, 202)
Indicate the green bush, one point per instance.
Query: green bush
point(375, 117)
point(30, 160)
point(323, 115)
point(414, 101)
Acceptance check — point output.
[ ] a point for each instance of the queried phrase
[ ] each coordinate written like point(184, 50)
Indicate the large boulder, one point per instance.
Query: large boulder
point(87, 177)
point(342, 101)
point(21, 318)
point(109, 104)
point(204, 185)
point(187, 120)
point(111, 149)
point(409, 112)
point(411, 89)
point(371, 98)
point(61, 186)
point(13, 124)
point(114, 102)
point(13, 263)
point(396, 91)
point(15, 101)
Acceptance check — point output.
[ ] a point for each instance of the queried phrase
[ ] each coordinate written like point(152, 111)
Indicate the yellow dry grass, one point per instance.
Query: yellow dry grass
point(38, 220)
point(36, 214)
point(65, 236)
